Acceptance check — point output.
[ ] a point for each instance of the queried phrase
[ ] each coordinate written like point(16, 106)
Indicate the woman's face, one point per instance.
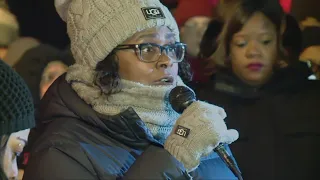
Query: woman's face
point(52, 71)
point(14, 147)
point(253, 50)
point(133, 69)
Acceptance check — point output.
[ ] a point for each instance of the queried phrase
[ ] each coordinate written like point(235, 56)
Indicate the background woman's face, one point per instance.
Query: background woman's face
point(132, 69)
point(253, 50)
point(51, 72)
point(14, 147)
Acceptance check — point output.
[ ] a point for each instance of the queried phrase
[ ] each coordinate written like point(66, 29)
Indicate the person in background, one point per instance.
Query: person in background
point(16, 116)
point(39, 66)
point(109, 116)
point(292, 44)
point(274, 108)
point(193, 18)
point(51, 72)
point(9, 30)
point(187, 9)
point(36, 69)
point(311, 45)
point(292, 38)
point(208, 46)
point(191, 33)
point(18, 48)
point(208, 43)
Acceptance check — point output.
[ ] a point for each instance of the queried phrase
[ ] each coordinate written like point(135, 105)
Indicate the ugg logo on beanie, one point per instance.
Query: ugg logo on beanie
point(153, 13)
point(182, 131)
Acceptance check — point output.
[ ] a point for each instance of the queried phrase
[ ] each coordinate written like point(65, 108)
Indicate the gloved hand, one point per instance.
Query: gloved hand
point(197, 132)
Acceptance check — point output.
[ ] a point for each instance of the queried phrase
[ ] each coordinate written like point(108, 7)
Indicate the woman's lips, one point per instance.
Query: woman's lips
point(167, 80)
point(255, 66)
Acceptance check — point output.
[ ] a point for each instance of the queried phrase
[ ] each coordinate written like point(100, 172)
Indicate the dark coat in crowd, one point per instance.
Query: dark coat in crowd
point(279, 123)
point(30, 67)
point(76, 142)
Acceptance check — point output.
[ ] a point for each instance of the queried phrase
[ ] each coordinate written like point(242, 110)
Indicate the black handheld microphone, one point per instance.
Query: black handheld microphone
point(180, 98)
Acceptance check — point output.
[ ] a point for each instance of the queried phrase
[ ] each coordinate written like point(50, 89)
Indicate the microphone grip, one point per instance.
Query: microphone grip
point(225, 156)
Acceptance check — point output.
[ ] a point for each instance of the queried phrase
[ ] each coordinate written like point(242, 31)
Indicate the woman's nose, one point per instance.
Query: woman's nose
point(253, 50)
point(164, 61)
point(12, 178)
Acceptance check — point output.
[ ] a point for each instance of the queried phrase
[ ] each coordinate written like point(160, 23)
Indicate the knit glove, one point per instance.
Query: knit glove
point(199, 130)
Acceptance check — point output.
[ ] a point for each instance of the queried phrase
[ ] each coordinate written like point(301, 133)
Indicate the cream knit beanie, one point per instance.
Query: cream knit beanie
point(96, 27)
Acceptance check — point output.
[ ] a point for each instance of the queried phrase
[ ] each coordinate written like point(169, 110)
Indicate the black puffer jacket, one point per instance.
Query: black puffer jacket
point(75, 142)
point(279, 123)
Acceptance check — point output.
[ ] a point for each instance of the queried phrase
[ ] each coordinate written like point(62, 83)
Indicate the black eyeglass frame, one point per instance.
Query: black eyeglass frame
point(138, 48)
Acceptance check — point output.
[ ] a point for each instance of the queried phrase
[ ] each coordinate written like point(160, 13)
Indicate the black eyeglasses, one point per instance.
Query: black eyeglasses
point(150, 52)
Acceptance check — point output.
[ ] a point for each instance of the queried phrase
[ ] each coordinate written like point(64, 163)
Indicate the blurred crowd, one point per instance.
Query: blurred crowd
point(225, 54)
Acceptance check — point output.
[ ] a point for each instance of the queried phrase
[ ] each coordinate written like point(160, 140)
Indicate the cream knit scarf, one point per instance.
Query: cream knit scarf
point(149, 102)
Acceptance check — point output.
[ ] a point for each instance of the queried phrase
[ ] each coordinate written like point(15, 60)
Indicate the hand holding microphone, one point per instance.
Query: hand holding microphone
point(198, 131)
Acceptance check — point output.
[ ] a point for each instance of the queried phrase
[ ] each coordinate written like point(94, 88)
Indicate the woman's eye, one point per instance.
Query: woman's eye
point(241, 44)
point(171, 49)
point(265, 42)
point(147, 49)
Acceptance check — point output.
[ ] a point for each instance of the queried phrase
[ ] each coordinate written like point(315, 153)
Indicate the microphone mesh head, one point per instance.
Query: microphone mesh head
point(181, 97)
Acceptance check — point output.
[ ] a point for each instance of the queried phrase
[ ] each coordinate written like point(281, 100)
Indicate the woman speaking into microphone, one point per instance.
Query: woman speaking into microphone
point(108, 117)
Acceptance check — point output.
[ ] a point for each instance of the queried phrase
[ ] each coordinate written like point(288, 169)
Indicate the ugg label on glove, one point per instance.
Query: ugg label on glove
point(182, 131)
point(198, 130)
